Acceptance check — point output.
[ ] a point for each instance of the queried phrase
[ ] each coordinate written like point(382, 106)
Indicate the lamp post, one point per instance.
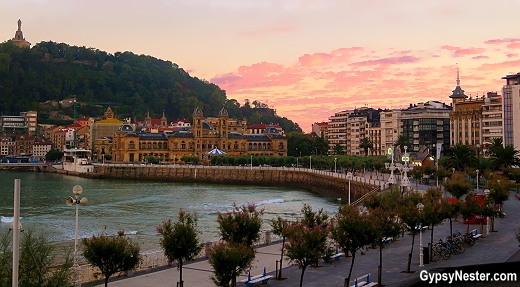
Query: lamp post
point(310, 162)
point(391, 167)
point(251, 162)
point(77, 200)
point(478, 155)
point(452, 170)
point(335, 165)
point(487, 192)
point(16, 227)
point(477, 179)
point(349, 176)
point(420, 206)
point(405, 168)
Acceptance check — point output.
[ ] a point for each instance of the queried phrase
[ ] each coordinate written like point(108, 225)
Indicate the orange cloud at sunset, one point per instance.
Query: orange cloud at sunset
point(317, 85)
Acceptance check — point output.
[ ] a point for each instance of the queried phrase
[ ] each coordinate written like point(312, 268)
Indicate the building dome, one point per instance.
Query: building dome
point(223, 112)
point(271, 130)
point(197, 111)
point(126, 128)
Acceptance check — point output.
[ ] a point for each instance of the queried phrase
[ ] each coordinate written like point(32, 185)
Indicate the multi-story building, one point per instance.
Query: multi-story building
point(373, 131)
point(260, 128)
point(390, 129)
point(25, 123)
point(40, 149)
point(321, 129)
point(465, 119)
point(425, 125)
point(197, 140)
point(337, 128)
point(7, 146)
point(511, 110)
point(24, 145)
point(358, 124)
point(492, 118)
point(104, 128)
point(103, 147)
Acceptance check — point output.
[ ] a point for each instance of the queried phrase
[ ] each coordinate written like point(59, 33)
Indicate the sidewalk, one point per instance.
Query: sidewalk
point(497, 247)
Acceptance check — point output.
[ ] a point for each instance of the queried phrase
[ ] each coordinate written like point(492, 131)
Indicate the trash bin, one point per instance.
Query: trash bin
point(426, 255)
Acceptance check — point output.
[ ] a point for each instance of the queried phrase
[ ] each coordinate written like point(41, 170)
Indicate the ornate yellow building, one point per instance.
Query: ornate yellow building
point(197, 140)
point(466, 118)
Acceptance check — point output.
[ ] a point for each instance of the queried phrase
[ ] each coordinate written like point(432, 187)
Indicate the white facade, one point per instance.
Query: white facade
point(338, 130)
point(492, 118)
point(390, 129)
point(40, 149)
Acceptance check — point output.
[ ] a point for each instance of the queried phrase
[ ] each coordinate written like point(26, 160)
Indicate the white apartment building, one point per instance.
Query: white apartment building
point(492, 118)
point(390, 129)
point(40, 149)
point(337, 129)
point(7, 146)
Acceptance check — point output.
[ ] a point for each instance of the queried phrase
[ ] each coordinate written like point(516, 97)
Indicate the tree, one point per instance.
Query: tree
point(401, 142)
point(470, 208)
point(38, 262)
point(180, 240)
point(111, 254)
point(229, 260)
point(366, 144)
point(461, 157)
point(353, 230)
point(458, 185)
point(242, 225)
point(53, 155)
point(338, 149)
point(411, 216)
point(432, 212)
point(279, 226)
point(386, 226)
point(505, 157)
point(306, 245)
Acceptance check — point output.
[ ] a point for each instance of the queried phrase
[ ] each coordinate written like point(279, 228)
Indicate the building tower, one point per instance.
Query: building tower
point(18, 39)
point(148, 119)
point(223, 118)
point(456, 96)
point(197, 122)
point(164, 122)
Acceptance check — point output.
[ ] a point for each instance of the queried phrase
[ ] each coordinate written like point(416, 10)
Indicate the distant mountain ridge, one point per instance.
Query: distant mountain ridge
point(134, 84)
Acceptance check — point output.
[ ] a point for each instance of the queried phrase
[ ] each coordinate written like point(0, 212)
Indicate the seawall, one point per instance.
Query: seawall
point(326, 183)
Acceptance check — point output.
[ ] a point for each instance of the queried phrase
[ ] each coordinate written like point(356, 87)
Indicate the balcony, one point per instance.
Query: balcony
point(440, 123)
point(415, 136)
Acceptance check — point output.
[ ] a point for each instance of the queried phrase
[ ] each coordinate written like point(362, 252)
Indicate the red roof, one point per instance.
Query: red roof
point(262, 126)
point(322, 124)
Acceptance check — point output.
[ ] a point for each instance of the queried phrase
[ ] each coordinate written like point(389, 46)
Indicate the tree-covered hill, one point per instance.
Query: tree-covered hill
point(134, 84)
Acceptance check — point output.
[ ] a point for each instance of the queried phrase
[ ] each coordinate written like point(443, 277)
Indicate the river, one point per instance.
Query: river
point(138, 207)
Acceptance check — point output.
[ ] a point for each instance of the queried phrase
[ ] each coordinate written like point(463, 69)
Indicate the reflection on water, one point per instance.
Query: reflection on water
point(138, 207)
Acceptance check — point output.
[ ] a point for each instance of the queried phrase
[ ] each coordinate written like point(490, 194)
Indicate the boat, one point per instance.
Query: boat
point(77, 160)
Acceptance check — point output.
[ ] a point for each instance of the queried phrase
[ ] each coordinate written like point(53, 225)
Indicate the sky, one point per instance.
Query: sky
point(305, 58)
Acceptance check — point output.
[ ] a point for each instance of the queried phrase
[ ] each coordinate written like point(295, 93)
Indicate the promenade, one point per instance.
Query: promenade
point(496, 247)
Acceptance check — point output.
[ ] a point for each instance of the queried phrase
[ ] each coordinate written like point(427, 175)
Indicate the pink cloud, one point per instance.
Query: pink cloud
point(515, 45)
point(496, 66)
point(480, 57)
point(501, 41)
point(511, 55)
point(459, 52)
point(318, 59)
point(388, 61)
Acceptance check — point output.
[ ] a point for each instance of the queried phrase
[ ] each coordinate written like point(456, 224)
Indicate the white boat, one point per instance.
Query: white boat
point(77, 160)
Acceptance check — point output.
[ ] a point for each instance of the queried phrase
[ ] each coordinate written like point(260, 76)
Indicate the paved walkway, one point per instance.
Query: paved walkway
point(497, 247)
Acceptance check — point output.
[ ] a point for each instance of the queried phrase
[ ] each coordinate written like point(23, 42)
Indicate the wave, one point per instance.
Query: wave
point(269, 201)
point(5, 219)
point(133, 232)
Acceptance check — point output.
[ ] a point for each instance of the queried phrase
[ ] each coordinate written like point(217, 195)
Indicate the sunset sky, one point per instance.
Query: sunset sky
point(306, 58)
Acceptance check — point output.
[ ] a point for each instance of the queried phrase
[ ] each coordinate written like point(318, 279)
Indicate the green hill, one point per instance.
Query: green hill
point(131, 84)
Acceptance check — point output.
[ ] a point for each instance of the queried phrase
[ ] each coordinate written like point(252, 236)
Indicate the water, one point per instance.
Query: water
point(138, 207)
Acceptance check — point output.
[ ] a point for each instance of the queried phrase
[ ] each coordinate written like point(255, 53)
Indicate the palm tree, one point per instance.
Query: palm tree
point(338, 149)
point(366, 144)
point(401, 141)
point(461, 157)
point(505, 156)
point(496, 144)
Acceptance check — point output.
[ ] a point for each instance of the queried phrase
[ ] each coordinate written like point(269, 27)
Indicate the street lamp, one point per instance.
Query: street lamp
point(391, 167)
point(251, 162)
point(452, 170)
point(349, 176)
point(420, 206)
point(335, 166)
point(310, 162)
point(487, 192)
point(77, 200)
point(477, 179)
point(405, 168)
point(478, 156)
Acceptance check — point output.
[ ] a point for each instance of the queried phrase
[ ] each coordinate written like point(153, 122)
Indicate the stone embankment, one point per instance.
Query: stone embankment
point(327, 183)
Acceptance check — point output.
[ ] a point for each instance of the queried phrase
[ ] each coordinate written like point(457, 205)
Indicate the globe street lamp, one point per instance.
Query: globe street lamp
point(77, 200)
point(487, 192)
point(251, 162)
point(477, 179)
point(335, 161)
point(391, 167)
point(349, 176)
point(420, 206)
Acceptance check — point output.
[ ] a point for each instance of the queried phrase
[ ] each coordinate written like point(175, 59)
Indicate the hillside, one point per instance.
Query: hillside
point(131, 84)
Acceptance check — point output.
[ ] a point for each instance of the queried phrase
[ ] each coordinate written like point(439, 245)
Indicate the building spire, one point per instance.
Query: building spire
point(19, 25)
point(458, 77)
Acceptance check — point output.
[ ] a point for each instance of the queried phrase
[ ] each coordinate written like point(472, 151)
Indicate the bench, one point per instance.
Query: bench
point(250, 281)
point(364, 281)
point(474, 234)
point(387, 240)
point(336, 256)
